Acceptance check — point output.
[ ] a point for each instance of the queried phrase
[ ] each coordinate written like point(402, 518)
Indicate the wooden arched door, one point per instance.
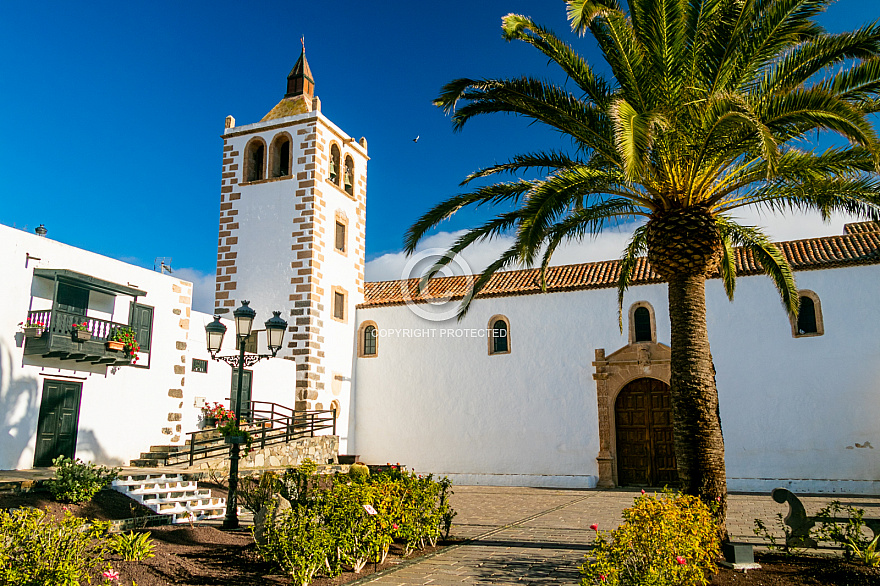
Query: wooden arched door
point(645, 440)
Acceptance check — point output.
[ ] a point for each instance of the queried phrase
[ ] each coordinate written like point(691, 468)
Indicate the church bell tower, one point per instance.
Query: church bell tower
point(292, 221)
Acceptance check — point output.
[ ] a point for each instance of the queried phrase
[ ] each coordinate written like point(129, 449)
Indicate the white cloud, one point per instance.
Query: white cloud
point(608, 245)
point(203, 288)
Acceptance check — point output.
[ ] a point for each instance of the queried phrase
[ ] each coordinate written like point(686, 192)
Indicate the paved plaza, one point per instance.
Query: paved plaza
point(540, 536)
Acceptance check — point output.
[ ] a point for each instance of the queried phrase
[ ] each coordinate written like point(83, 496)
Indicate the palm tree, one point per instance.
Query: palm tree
point(708, 108)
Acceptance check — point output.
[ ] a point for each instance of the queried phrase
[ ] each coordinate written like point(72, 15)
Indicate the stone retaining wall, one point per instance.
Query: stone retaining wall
point(323, 449)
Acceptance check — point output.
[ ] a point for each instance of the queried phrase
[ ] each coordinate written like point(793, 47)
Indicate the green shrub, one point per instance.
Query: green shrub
point(133, 547)
point(358, 471)
point(667, 539)
point(255, 493)
point(78, 482)
point(340, 522)
point(36, 549)
point(845, 528)
point(298, 543)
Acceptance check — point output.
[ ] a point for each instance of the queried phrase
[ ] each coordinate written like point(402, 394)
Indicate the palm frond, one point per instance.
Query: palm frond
point(596, 88)
point(772, 261)
point(499, 193)
point(637, 247)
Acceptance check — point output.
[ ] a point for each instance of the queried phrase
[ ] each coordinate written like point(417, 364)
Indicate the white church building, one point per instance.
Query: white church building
point(532, 387)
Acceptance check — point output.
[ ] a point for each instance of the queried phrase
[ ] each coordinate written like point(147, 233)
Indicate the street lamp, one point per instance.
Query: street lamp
point(244, 320)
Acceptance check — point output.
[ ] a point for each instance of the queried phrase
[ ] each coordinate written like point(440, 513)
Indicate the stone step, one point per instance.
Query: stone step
point(146, 463)
point(170, 495)
point(165, 449)
point(155, 455)
point(160, 488)
point(127, 479)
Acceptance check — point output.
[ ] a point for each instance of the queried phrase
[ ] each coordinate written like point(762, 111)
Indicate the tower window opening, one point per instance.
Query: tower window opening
point(340, 236)
point(255, 161)
point(339, 305)
point(280, 156)
point(349, 176)
point(334, 174)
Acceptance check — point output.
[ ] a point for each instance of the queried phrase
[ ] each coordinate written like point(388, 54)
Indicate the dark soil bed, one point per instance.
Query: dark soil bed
point(779, 570)
point(107, 505)
point(206, 555)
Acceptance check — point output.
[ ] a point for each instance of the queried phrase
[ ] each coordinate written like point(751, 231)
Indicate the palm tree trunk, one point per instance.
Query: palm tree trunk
point(699, 445)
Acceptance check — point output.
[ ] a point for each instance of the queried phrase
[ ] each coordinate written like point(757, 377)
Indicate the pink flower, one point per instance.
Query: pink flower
point(602, 577)
point(680, 560)
point(111, 575)
point(643, 491)
point(394, 526)
point(594, 526)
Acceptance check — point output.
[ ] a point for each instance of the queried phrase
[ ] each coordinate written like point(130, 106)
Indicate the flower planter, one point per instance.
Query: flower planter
point(81, 335)
point(34, 332)
point(115, 345)
point(210, 421)
point(235, 439)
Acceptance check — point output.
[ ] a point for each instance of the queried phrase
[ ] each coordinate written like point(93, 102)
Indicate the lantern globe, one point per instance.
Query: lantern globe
point(244, 319)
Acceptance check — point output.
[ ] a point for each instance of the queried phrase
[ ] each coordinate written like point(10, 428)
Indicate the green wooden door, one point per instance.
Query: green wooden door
point(59, 418)
point(245, 393)
point(141, 321)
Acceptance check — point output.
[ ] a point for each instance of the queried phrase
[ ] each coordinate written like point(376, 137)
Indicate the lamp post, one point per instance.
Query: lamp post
point(244, 320)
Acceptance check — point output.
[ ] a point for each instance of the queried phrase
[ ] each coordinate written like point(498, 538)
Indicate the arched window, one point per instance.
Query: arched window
point(642, 327)
point(255, 160)
point(335, 173)
point(279, 159)
point(348, 176)
point(499, 335)
point(809, 321)
point(368, 340)
point(642, 324)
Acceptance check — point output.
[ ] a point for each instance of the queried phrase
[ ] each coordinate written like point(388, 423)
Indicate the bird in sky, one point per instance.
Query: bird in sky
point(416, 139)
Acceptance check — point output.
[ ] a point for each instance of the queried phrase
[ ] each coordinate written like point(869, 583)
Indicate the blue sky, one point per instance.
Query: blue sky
point(113, 111)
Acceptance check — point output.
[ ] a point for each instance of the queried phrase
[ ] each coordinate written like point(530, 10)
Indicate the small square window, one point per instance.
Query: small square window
point(199, 365)
point(340, 236)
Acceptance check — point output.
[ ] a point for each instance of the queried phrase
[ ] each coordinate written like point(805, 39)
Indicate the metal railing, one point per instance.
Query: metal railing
point(270, 425)
point(58, 322)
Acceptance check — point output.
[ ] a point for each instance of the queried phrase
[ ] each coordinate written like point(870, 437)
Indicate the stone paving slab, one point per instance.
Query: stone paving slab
point(540, 537)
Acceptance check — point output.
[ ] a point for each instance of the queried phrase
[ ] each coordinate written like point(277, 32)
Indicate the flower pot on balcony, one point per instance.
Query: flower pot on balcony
point(81, 335)
point(210, 422)
point(115, 345)
point(235, 439)
point(34, 332)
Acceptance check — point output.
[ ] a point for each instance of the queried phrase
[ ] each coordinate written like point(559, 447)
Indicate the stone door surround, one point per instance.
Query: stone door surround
point(613, 372)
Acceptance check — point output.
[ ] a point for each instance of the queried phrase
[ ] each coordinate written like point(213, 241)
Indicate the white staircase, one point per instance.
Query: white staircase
point(170, 494)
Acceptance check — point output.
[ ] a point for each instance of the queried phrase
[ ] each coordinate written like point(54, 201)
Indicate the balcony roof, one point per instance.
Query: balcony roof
point(88, 281)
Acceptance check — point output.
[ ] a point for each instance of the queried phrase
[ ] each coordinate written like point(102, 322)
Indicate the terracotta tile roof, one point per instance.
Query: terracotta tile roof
point(859, 246)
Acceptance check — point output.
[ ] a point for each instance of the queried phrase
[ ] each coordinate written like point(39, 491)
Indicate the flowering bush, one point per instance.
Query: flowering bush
point(130, 345)
point(666, 539)
point(218, 412)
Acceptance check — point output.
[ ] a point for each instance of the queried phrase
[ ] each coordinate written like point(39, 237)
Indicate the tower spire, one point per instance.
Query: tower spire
point(300, 81)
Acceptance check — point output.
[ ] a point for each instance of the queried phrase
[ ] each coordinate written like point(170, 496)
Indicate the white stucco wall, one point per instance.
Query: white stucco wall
point(124, 409)
point(793, 410)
